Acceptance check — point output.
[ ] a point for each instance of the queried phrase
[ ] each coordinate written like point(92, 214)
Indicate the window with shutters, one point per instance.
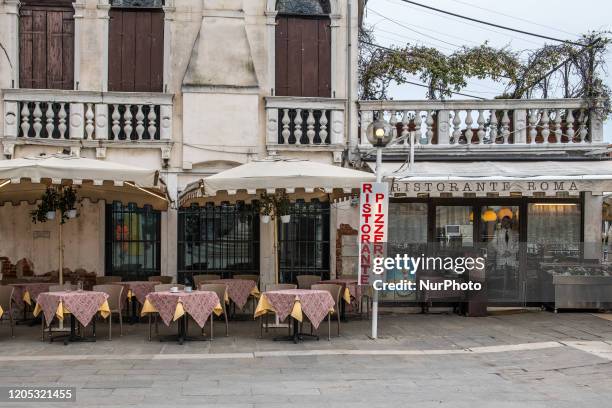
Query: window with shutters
point(136, 46)
point(46, 44)
point(303, 48)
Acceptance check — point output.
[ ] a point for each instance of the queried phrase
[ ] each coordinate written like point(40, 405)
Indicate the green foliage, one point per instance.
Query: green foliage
point(52, 200)
point(579, 76)
point(282, 203)
point(266, 204)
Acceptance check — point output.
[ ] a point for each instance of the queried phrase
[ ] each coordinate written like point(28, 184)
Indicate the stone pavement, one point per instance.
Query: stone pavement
point(532, 359)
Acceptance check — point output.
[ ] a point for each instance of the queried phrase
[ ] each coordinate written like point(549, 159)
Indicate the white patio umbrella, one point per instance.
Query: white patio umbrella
point(26, 179)
point(298, 178)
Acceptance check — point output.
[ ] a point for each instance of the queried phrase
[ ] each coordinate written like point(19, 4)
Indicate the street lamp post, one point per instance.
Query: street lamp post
point(379, 134)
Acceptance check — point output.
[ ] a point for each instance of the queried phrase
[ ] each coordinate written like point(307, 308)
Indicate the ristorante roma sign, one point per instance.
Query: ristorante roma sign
point(502, 187)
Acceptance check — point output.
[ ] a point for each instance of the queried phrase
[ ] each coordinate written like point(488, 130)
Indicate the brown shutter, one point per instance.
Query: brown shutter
point(303, 56)
point(46, 47)
point(136, 50)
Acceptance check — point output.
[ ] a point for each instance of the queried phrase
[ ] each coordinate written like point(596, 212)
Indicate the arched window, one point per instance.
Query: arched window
point(303, 48)
point(304, 7)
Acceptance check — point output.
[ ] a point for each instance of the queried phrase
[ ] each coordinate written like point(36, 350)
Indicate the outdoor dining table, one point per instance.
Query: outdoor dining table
point(81, 305)
point(239, 290)
point(314, 304)
point(25, 293)
point(173, 306)
point(350, 290)
point(136, 292)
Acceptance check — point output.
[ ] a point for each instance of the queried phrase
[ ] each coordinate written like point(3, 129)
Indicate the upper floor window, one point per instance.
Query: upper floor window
point(46, 44)
point(303, 48)
point(307, 7)
point(136, 46)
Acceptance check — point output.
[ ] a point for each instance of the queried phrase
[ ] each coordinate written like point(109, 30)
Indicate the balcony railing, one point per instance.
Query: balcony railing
point(295, 123)
point(492, 124)
point(56, 115)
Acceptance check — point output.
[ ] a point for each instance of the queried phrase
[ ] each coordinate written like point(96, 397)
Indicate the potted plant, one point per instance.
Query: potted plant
point(266, 208)
point(283, 207)
point(67, 203)
point(46, 208)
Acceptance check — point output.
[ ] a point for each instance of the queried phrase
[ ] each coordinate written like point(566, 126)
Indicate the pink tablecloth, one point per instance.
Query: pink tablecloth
point(140, 289)
point(316, 304)
point(33, 288)
point(238, 290)
point(199, 304)
point(82, 304)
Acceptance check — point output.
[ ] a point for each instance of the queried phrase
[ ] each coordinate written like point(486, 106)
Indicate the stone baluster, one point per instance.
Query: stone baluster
point(165, 122)
point(519, 126)
point(569, 120)
point(418, 131)
point(468, 126)
point(505, 126)
point(127, 122)
point(310, 126)
point(545, 129)
point(582, 127)
point(323, 121)
point(297, 132)
point(89, 122)
point(493, 127)
point(140, 122)
point(286, 122)
point(557, 126)
point(429, 122)
point(405, 128)
point(101, 121)
point(49, 127)
point(152, 118)
point(37, 119)
point(116, 117)
point(533, 121)
point(456, 126)
point(480, 134)
point(62, 114)
point(25, 119)
point(393, 124)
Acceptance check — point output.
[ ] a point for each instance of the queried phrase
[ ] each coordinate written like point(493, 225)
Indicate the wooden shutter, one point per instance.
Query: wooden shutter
point(46, 46)
point(136, 50)
point(303, 56)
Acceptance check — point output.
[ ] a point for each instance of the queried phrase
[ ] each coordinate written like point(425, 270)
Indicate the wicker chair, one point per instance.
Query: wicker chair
point(220, 290)
point(306, 281)
point(335, 291)
point(160, 279)
point(115, 298)
point(6, 303)
point(105, 280)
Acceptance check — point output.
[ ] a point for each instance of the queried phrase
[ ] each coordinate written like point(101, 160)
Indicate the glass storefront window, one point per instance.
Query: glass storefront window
point(407, 233)
point(553, 232)
point(133, 242)
point(454, 226)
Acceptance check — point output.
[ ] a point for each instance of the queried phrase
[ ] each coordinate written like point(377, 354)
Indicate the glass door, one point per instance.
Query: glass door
point(499, 233)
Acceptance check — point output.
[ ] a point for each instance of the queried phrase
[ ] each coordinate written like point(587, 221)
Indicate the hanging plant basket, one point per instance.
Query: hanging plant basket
point(285, 219)
point(265, 219)
point(50, 215)
point(71, 213)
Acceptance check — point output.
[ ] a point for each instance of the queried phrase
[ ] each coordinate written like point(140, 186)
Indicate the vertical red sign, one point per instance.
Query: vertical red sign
point(373, 222)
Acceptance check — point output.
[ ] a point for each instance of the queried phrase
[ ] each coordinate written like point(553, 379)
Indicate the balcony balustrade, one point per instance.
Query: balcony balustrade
point(301, 124)
point(492, 125)
point(59, 117)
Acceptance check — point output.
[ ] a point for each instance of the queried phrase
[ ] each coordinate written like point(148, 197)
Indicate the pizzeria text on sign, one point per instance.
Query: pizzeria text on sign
point(372, 226)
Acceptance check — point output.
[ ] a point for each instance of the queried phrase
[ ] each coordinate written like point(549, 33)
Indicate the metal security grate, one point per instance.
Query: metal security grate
point(218, 240)
point(133, 241)
point(304, 242)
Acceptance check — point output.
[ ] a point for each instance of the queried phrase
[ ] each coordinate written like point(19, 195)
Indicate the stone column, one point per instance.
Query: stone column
point(169, 231)
point(266, 255)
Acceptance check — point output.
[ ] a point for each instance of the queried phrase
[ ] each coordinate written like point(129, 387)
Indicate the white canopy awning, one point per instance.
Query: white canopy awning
point(271, 174)
point(26, 179)
point(503, 177)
